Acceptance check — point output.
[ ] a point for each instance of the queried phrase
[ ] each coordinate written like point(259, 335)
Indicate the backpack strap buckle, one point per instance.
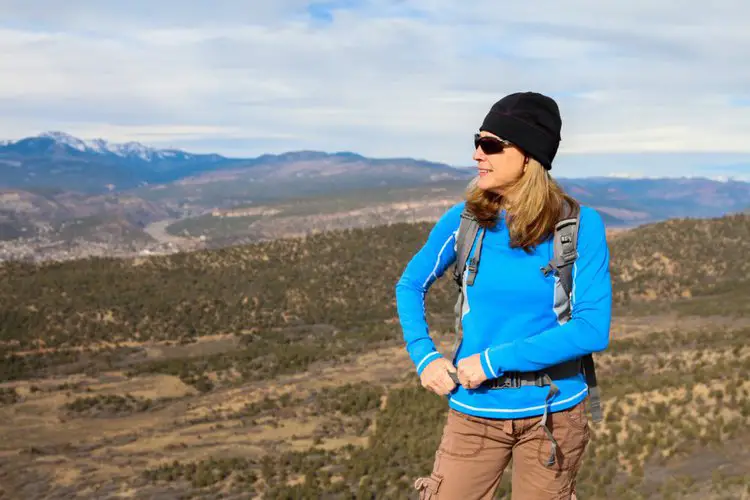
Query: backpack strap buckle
point(472, 274)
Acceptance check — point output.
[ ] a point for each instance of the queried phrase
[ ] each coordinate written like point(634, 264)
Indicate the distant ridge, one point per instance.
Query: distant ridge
point(58, 160)
point(61, 142)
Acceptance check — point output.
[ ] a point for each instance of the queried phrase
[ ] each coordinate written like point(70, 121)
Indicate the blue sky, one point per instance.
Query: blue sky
point(645, 87)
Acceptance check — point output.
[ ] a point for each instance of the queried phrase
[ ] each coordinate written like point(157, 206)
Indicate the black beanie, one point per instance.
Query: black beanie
point(529, 120)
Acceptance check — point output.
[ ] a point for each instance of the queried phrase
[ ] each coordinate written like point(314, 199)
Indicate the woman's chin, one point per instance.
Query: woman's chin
point(485, 183)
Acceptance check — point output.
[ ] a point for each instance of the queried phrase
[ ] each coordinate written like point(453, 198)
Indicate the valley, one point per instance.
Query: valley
point(64, 198)
point(249, 372)
point(123, 225)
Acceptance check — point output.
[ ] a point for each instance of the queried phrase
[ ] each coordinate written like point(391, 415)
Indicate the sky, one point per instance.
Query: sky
point(645, 88)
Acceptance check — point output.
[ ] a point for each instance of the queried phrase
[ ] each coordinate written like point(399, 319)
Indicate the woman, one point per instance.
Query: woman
point(509, 319)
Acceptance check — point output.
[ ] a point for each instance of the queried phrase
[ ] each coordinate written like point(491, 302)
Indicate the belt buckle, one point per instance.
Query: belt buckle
point(510, 380)
point(507, 381)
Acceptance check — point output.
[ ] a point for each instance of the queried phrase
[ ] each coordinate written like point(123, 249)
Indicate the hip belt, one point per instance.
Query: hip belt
point(541, 378)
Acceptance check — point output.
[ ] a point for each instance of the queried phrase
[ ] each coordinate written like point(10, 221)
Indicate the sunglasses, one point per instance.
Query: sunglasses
point(490, 145)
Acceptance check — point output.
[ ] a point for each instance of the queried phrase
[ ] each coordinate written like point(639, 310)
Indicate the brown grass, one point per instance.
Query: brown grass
point(191, 426)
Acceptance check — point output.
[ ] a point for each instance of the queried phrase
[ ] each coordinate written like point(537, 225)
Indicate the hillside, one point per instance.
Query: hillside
point(49, 224)
point(620, 202)
point(699, 259)
point(278, 367)
point(275, 284)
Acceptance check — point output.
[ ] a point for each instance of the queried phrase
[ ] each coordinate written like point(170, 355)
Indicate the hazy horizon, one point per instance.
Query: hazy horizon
point(647, 81)
point(715, 166)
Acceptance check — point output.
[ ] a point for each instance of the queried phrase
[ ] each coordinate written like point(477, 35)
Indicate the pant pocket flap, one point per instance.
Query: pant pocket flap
point(430, 483)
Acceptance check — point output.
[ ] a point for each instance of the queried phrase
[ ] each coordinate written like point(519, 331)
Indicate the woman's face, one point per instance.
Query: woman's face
point(499, 163)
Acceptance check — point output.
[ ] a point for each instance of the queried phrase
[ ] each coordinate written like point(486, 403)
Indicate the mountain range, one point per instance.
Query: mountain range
point(56, 160)
point(58, 188)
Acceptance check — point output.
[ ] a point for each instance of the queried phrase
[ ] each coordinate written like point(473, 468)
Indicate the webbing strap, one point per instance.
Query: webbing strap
point(474, 262)
point(513, 380)
point(467, 232)
point(594, 397)
point(457, 310)
point(553, 390)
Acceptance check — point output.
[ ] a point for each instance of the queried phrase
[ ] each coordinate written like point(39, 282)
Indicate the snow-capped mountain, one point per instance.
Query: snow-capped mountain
point(61, 161)
point(129, 150)
point(57, 160)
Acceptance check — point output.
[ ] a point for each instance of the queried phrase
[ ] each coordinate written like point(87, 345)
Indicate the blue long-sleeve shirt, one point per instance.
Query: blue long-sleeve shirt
point(508, 316)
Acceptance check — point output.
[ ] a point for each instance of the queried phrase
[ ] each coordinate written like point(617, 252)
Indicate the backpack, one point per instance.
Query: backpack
point(565, 253)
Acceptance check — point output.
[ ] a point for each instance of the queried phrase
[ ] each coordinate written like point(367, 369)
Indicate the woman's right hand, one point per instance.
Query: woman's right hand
point(436, 378)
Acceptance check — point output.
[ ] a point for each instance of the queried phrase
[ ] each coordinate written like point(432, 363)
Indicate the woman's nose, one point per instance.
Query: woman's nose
point(478, 154)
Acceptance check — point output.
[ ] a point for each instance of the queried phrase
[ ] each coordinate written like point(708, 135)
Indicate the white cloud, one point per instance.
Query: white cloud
point(385, 77)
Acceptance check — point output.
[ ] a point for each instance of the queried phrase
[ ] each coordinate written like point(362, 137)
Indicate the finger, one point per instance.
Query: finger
point(448, 386)
point(438, 388)
point(464, 378)
point(440, 385)
point(450, 380)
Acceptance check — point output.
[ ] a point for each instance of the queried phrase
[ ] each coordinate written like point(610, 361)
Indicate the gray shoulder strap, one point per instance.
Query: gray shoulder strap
point(467, 232)
point(566, 247)
point(566, 252)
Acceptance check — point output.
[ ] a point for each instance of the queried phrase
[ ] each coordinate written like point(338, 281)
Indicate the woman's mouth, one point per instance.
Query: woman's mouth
point(484, 171)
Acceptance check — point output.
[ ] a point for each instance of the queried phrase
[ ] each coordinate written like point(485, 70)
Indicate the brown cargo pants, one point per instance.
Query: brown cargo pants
point(474, 452)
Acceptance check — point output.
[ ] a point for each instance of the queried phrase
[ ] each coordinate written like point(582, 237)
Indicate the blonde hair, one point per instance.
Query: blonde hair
point(533, 204)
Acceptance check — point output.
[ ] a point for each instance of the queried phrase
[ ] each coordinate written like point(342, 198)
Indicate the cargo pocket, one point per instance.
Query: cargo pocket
point(428, 486)
point(577, 416)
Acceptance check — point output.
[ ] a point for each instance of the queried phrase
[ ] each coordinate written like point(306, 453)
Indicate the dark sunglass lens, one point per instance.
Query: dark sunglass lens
point(489, 145)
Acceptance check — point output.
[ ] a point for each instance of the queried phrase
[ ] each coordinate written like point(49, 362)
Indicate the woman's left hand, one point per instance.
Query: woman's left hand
point(470, 372)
